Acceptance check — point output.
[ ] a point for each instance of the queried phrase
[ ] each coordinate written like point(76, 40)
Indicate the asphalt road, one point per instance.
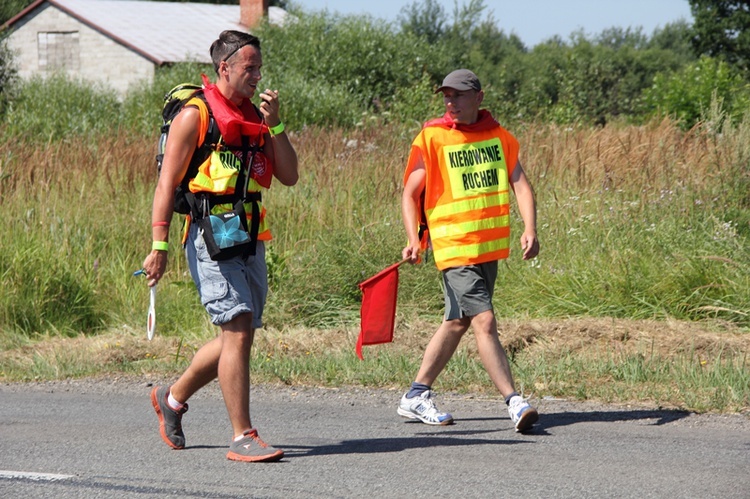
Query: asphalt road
point(87, 439)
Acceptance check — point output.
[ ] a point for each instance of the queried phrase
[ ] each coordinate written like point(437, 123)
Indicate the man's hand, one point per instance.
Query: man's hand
point(529, 245)
point(269, 107)
point(411, 253)
point(154, 266)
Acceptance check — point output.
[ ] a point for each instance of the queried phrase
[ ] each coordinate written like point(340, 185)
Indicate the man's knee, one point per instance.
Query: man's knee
point(457, 326)
point(484, 323)
point(239, 329)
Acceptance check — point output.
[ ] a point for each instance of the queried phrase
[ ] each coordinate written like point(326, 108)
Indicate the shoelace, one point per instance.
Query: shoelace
point(254, 435)
point(517, 403)
point(429, 405)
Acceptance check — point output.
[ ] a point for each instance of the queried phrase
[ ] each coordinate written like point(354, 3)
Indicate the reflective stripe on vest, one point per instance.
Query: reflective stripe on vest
point(218, 174)
point(467, 202)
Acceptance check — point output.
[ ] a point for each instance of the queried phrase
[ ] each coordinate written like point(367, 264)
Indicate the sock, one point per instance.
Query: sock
point(173, 404)
point(416, 390)
point(507, 399)
point(242, 435)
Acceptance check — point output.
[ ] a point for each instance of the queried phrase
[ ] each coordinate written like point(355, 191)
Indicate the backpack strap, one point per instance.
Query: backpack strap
point(208, 135)
point(205, 117)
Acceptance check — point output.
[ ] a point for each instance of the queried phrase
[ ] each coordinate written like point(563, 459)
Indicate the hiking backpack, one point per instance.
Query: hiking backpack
point(174, 101)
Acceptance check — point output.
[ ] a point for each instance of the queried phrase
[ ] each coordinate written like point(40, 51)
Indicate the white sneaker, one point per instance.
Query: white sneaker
point(423, 409)
point(522, 414)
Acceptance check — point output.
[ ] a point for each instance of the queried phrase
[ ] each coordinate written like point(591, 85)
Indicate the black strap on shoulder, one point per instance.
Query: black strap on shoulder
point(255, 215)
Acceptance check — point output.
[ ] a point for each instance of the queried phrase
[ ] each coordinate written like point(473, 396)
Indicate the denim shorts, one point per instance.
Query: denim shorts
point(231, 287)
point(468, 289)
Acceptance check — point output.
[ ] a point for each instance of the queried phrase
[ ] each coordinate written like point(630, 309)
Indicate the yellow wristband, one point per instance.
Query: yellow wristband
point(160, 246)
point(275, 130)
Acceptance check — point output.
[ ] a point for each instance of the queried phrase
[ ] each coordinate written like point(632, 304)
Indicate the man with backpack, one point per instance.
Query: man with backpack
point(252, 148)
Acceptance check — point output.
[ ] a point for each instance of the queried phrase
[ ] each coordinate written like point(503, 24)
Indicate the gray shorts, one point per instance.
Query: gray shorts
point(231, 287)
point(468, 289)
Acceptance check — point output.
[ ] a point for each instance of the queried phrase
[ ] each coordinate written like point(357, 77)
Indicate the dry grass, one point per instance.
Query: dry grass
point(613, 157)
point(665, 340)
point(635, 158)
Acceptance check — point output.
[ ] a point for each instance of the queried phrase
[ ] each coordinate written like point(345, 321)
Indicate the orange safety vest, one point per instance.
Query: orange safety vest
point(218, 174)
point(466, 199)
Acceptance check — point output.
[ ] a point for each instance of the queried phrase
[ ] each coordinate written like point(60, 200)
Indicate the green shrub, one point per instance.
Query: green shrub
point(687, 94)
point(339, 67)
point(57, 108)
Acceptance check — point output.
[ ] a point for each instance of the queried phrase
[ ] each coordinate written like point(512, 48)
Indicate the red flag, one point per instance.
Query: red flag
point(378, 312)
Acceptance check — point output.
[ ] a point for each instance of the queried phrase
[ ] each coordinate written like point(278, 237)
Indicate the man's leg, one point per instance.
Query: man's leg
point(234, 370)
point(492, 353)
point(495, 361)
point(202, 370)
point(234, 378)
point(417, 403)
point(440, 349)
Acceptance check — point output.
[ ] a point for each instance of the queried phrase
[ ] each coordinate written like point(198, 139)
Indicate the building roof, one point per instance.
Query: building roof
point(163, 32)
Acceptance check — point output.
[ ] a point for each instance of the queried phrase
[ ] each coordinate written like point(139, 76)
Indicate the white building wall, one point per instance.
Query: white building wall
point(101, 59)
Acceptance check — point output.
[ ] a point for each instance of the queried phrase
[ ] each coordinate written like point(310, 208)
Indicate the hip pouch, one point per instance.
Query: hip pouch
point(226, 234)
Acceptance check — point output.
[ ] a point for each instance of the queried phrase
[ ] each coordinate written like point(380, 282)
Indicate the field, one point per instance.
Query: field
point(641, 293)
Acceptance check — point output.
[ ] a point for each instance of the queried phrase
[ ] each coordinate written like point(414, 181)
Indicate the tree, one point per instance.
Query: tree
point(722, 29)
point(9, 8)
point(8, 75)
point(675, 37)
point(426, 20)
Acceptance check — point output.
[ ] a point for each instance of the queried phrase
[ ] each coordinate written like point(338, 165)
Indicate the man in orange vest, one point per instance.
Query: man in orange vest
point(233, 291)
point(456, 186)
